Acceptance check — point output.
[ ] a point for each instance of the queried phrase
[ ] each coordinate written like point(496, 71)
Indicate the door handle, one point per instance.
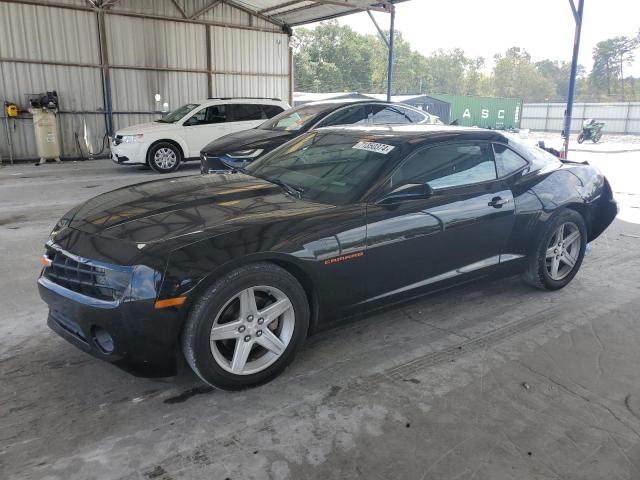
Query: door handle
point(498, 202)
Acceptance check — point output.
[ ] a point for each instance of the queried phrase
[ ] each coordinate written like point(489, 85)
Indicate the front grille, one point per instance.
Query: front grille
point(90, 280)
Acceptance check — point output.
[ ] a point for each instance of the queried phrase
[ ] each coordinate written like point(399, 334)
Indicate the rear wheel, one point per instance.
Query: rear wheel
point(164, 157)
point(559, 252)
point(597, 137)
point(246, 328)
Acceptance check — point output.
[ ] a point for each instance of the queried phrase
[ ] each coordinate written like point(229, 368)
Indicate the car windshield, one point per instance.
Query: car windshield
point(327, 167)
point(294, 119)
point(178, 114)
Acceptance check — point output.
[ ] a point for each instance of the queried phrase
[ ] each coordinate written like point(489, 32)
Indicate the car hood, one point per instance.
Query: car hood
point(254, 138)
point(187, 208)
point(146, 128)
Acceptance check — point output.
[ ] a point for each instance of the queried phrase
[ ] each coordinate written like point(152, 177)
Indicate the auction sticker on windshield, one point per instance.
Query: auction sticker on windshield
point(374, 147)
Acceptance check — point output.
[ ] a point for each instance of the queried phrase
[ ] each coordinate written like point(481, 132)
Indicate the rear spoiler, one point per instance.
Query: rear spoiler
point(558, 154)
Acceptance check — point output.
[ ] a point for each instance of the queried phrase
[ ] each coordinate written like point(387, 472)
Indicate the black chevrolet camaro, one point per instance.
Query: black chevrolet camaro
point(235, 270)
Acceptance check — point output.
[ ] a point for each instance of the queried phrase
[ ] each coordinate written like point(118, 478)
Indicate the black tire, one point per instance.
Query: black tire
point(537, 274)
point(171, 161)
point(597, 137)
point(581, 138)
point(213, 302)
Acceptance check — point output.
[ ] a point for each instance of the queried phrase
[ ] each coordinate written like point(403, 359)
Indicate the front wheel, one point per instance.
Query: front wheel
point(558, 252)
point(581, 138)
point(164, 157)
point(245, 329)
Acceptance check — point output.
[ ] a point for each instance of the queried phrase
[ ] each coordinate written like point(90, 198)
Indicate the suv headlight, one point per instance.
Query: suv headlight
point(131, 138)
point(253, 153)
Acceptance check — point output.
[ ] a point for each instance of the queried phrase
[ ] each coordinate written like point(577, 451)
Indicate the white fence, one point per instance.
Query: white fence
point(619, 117)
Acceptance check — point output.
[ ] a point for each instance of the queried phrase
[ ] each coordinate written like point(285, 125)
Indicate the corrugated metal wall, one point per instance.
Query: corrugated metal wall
point(50, 48)
point(621, 118)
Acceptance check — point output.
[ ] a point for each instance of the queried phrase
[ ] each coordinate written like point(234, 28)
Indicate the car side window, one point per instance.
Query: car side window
point(208, 115)
point(414, 117)
point(507, 161)
point(242, 112)
point(392, 114)
point(270, 111)
point(447, 166)
point(354, 115)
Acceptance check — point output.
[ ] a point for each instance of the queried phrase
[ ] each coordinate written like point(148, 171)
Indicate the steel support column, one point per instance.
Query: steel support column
point(577, 15)
point(392, 34)
point(106, 73)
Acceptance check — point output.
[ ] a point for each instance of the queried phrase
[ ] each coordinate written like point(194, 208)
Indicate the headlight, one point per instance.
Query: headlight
point(131, 138)
point(253, 153)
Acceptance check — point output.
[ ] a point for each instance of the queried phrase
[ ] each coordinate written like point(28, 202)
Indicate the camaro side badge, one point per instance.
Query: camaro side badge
point(374, 147)
point(343, 258)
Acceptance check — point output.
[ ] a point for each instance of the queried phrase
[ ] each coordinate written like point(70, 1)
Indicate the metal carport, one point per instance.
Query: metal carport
point(107, 59)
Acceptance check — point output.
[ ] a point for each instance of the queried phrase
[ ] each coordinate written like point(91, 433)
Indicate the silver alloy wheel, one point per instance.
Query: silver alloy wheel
point(165, 158)
point(563, 250)
point(252, 330)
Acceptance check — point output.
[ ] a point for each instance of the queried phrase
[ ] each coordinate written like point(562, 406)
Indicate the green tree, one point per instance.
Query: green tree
point(332, 58)
point(515, 75)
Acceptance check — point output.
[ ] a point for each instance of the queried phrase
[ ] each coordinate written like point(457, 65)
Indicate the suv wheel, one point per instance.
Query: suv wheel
point(245, 329)
point(164, 157)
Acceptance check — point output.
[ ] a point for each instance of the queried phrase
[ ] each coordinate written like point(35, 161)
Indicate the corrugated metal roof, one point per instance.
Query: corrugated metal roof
point(298, 12)
point(280, 12)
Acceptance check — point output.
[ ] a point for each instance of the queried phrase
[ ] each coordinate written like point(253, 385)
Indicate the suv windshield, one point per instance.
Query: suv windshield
point(327, 167)
point(179, 113)
point(294, 119)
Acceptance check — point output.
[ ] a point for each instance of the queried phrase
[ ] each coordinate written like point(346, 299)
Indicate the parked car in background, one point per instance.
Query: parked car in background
point(234, 271)
point(180, 135)
point(237, 150)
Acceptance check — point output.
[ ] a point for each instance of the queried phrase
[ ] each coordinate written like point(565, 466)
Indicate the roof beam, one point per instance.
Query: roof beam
point(233, 4)
point(179, 8)
point(279, 6)
point(204, 9)
point(337, 3)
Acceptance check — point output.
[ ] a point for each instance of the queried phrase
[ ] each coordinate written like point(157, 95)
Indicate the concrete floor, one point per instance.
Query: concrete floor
point(486, 381)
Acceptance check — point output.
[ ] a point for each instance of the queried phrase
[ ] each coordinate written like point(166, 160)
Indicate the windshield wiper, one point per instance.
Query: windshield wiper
point(290, 189)
point(293, 190)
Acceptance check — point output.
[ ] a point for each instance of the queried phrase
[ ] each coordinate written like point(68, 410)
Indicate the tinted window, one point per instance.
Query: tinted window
point(294, 118)
point(507, 161)
point(269, 111)
point(389, 114)
point(208, 115)
point(243, 112)
point(356, 114)
point(446, 166)
point(415, 117)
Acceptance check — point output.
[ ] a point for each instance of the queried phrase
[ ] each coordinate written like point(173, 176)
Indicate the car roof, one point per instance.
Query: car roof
point(250, 100)
point(416, 132)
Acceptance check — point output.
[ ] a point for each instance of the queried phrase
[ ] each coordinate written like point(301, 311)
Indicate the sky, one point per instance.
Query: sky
point(544, 28)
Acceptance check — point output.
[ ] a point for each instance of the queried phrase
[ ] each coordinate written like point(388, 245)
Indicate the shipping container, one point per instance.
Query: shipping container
point(486, 112)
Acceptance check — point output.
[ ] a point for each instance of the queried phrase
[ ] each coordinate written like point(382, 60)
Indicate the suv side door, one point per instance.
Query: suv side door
point(462, 227)
point(206, 125)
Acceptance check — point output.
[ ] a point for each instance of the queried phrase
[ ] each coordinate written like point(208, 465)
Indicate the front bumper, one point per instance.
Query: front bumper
point(129, 153)
point(144, 340)
point(213, 164)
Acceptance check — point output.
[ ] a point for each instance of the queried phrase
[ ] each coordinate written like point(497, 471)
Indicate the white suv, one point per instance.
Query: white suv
point(180, 135)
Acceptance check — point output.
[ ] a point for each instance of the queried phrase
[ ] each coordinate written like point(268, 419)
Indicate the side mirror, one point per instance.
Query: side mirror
point(410, 191)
